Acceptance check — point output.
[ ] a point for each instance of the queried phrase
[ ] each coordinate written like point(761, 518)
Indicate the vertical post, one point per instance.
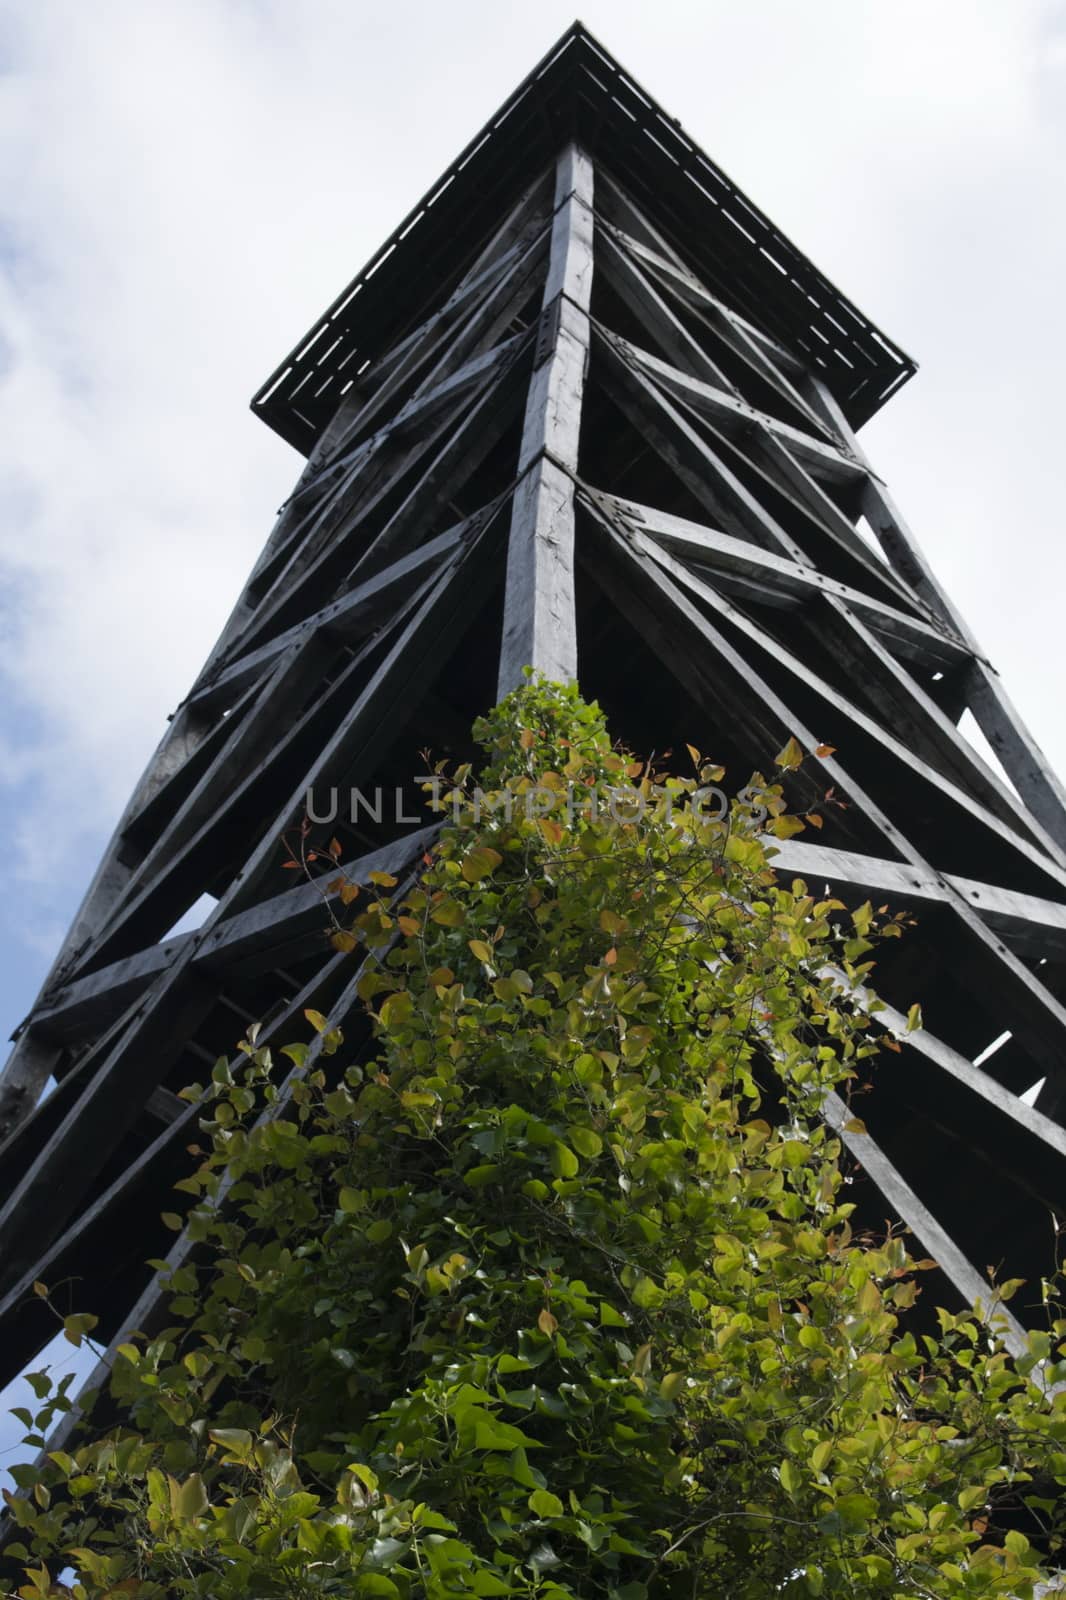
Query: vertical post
point(539, 623)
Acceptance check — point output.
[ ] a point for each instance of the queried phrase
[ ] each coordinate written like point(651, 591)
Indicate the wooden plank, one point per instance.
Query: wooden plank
point(189, 853)
point(639, 294)
point(380, 464)
point(62, 1257)
point(736, 417)
point(897, 747)
point(1025, 763)
point(539, 625)
point(961, 1272)
point(783, 576)
point(622, 214)
point(376, 714)
point(179, 999)
point(148, 1302)
point(705, 472)
point(350, 617)
point(484, 327)
point(757, 349)
point(1027, 1006)
point(1032, 926)
point(907, 707)
point(460, 453)
point(32, 1061)
point(286, 928)
point(959, 1069)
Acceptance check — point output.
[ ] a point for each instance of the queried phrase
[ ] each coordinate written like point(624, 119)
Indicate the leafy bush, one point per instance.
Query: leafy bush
point(552, 1291)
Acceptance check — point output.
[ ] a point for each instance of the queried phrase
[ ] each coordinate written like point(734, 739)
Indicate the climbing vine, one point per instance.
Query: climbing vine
point(545, 1282)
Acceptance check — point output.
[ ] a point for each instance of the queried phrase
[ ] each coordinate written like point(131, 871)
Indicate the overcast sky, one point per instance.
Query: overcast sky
point(185, 185)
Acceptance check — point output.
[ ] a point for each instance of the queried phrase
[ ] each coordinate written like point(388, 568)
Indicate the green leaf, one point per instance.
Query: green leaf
point(481, 1177)
point(480, 862)
point(610, 1318)
point(585, 1142)
point(376, 1584)
point(396, 1009)
point(76, 1327)
point(564, 1163)
point(791, 756)
point(236, 1442)
point(190, 1499)
point(544, 1504)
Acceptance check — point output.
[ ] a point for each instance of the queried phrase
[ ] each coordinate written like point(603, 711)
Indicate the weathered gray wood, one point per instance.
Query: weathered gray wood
point(682, 575)
point(181, 996)
point(453, 346)
point(975, 1290)
point(1030, 925)
point(788, 579)
point(736, 417)
point(437, 333)
point(539, 625)
point(707, 475)
point(1025, 763)
point(288, 927)
point(459, 454)
point(628, 220)
point(905, 705)
point(260, 746)
point(350, 617)
point(757, 349)
point(146, 1306)
point(181, 1117)
point(639, 294)
point(957, 1067)
point(1034, 1013)
point(1025, 846)
point(376, 715)
point(32, 1062)
point(379, 464)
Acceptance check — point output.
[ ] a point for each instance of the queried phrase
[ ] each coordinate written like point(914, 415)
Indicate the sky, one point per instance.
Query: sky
point(185, 185)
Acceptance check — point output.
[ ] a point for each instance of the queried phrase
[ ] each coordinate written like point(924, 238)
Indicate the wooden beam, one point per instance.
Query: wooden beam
point(539, 625)
point(146, 1307)
point(963, 1072)
point(350, 617)
point(705, 472)
point(1025, 763)
point(736, 418)
point(622, 214)
point(1031, 926)
point(960, 1272)
point(382, 463)
point(783, 577)
point(639, 294)
point(176, 1003)
point(1027, 1006)
point(287, 928)
point(884, 737)
point(60, 1258)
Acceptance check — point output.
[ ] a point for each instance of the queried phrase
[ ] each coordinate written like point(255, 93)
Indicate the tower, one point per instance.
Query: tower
point(589, 411)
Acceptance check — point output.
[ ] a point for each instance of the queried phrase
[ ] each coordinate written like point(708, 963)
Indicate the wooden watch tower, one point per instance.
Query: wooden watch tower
point(587, 410)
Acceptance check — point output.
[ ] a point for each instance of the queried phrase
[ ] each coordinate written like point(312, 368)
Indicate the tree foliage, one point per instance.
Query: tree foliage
point(551, 1289)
